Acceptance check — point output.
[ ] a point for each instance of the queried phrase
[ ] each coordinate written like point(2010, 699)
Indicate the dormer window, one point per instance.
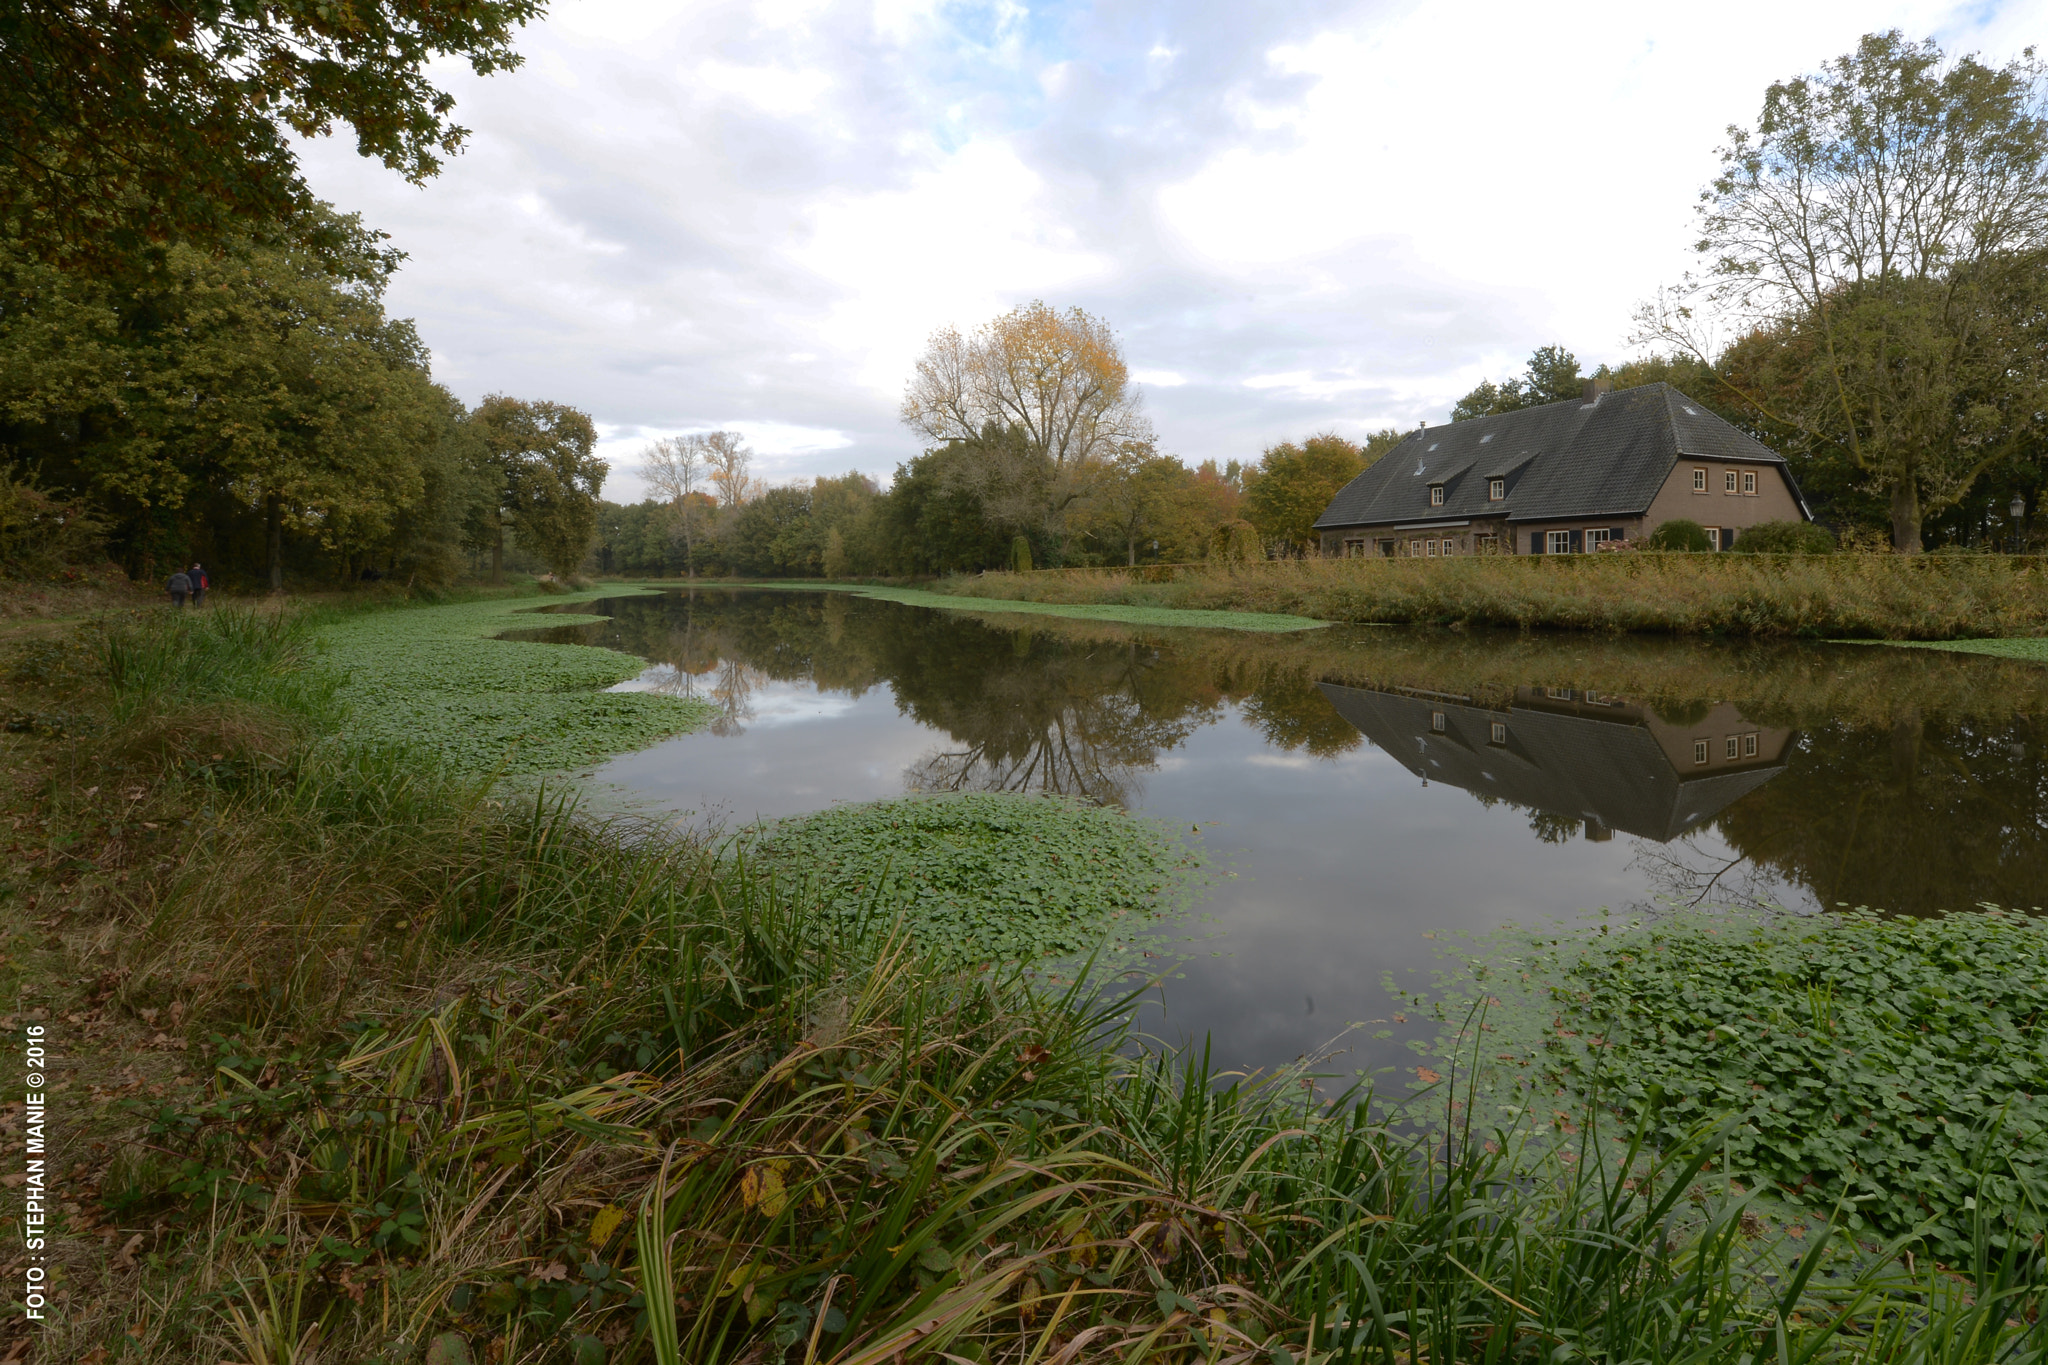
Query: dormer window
point(1436, 495)
point(1496, 489)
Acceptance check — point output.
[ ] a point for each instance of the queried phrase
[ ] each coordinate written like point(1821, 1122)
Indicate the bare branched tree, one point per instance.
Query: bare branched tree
point(729, 460)
point(676, 468)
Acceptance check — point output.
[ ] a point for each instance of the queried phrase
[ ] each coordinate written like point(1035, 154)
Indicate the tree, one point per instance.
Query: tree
point(1292, 485)
point(1137, 496)
point(729, 459)
point(1879, 232)
point(677, 468)
point(551, 477)
point(151, 120)
point(196, 390)
point(1056, 379)
point(1552, 376)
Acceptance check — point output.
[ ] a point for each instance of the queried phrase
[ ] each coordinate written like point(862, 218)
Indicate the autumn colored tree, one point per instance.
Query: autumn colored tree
point(1292, 485)
point(1883, 231)
point(1056, 379)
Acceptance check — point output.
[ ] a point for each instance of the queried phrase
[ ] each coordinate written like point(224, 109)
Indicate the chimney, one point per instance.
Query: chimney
point(1593, 388)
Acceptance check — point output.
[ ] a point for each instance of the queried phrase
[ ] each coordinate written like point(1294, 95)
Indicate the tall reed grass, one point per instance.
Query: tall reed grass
point(491, 1080)
point(1924, 597)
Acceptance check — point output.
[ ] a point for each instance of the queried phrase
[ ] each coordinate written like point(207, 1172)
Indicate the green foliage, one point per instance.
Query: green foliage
point(1292, 485)
point(1786, 538)
point(126, 124)
point(1680, 533)
point(1020, 555)
point(1895, 1065)
point(967, 595)
point(549, 476)
point(983, 876)
point(1552, 376)
point(432, 679)
point(41, 533)
point(1236, 541)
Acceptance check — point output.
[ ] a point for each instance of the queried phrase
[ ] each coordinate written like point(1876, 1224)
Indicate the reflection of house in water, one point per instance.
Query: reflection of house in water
point(1606, 760)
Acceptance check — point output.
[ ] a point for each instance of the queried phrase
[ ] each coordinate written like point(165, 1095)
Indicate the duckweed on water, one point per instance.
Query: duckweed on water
point(1896, 1063)
point(987, 876)
point(434, 679)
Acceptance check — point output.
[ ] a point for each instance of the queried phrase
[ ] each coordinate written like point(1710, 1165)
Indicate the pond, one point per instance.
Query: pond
point(1368, 795)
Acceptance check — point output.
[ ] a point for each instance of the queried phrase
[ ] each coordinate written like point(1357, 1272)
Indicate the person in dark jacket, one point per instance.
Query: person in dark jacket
point(199, 585)
point(179, 585)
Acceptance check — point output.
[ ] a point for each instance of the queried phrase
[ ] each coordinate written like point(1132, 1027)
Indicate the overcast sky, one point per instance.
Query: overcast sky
point(1299, 217)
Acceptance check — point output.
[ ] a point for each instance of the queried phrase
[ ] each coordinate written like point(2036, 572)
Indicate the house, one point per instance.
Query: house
point(1608, 761)
point(1561, 479)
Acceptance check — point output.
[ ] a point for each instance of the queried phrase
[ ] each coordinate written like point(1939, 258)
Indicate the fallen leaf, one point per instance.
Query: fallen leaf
point(126, 1255)
point(1426, 1076)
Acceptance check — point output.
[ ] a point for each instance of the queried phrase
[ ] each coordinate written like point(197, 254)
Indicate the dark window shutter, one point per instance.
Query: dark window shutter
point(1535, 542)
point(1578, 542)
point(1617, 533)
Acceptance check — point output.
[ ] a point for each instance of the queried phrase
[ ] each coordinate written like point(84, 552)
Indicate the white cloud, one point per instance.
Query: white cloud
point(1339, 214)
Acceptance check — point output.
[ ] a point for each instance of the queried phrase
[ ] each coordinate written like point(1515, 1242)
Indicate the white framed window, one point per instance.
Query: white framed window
point(1598, 537)
point(1496, 489)
point(1436, 495)
point(1699, 481)
point(1713, 537)
point(1485, 544)
point(1450, 546)
point(1728, 481)
point(1558, 693)
point(1436, 721)
point(1749, 746)
point(1699, 751)
point(1749, 483)
point(1558, 542)
point(1500, 733)
point(1732, 748)
point(1429, 548)
point(1415, 549)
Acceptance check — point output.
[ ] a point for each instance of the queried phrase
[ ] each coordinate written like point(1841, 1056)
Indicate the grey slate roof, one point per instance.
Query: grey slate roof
point(1608, 771)
point(1562, 461)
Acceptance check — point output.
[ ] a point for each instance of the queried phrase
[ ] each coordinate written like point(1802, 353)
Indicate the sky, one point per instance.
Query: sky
point(1304, 217)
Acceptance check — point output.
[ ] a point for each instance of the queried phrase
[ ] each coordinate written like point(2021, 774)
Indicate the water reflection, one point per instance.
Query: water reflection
point(1575, 758)
point(1373, 789)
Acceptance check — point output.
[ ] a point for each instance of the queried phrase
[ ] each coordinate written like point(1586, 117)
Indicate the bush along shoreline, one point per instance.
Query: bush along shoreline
point(1838, 596)
point(358, 1060)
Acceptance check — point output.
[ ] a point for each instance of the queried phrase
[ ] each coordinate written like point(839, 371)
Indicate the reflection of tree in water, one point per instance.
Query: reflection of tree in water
point(1080, 723)
point(1693, 870)
point(1929, 815)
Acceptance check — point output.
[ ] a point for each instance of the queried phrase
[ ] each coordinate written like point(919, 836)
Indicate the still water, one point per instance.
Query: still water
point(1372, 794)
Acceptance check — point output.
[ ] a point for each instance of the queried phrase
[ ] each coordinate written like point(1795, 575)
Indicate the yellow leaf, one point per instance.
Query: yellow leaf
point(761, 1187)
point(605, 1224)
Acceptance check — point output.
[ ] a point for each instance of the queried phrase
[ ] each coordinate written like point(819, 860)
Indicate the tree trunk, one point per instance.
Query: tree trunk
point(273, 535)
point(498, 554)
point(1905, 518)
point(1134, 552)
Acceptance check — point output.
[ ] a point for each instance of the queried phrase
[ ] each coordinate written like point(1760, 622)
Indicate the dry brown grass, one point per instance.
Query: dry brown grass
point(1927, 597)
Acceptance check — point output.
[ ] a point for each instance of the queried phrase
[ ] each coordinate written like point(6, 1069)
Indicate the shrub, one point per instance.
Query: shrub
point(1020, 555)
point(1680, 534)
point(1237, 540)
point(1786, 538)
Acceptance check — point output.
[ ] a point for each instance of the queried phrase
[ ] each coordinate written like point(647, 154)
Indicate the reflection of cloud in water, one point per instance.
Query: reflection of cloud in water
point(1280, 761)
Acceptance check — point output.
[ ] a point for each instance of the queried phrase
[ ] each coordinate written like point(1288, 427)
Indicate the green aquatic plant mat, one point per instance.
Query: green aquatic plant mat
point(435, 679)
point(988, 876)
point(1897, 1067)
point(1267, 623)
point(2034, 648)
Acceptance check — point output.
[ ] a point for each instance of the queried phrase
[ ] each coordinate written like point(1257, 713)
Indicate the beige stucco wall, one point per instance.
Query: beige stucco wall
point(1772, 500)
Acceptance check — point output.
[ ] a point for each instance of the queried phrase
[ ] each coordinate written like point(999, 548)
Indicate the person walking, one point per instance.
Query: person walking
point(199, 585)
point(179, 585)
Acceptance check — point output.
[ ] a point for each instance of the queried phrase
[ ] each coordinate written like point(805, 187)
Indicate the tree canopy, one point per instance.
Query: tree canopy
point(159, 120)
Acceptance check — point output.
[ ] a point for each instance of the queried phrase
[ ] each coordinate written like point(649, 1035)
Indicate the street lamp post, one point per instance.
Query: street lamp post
point(2018, 510)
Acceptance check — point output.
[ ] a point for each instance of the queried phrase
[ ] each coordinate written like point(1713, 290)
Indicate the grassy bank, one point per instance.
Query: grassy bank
point(352, 1061)
point(1929, 597)
point(1079, 609)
